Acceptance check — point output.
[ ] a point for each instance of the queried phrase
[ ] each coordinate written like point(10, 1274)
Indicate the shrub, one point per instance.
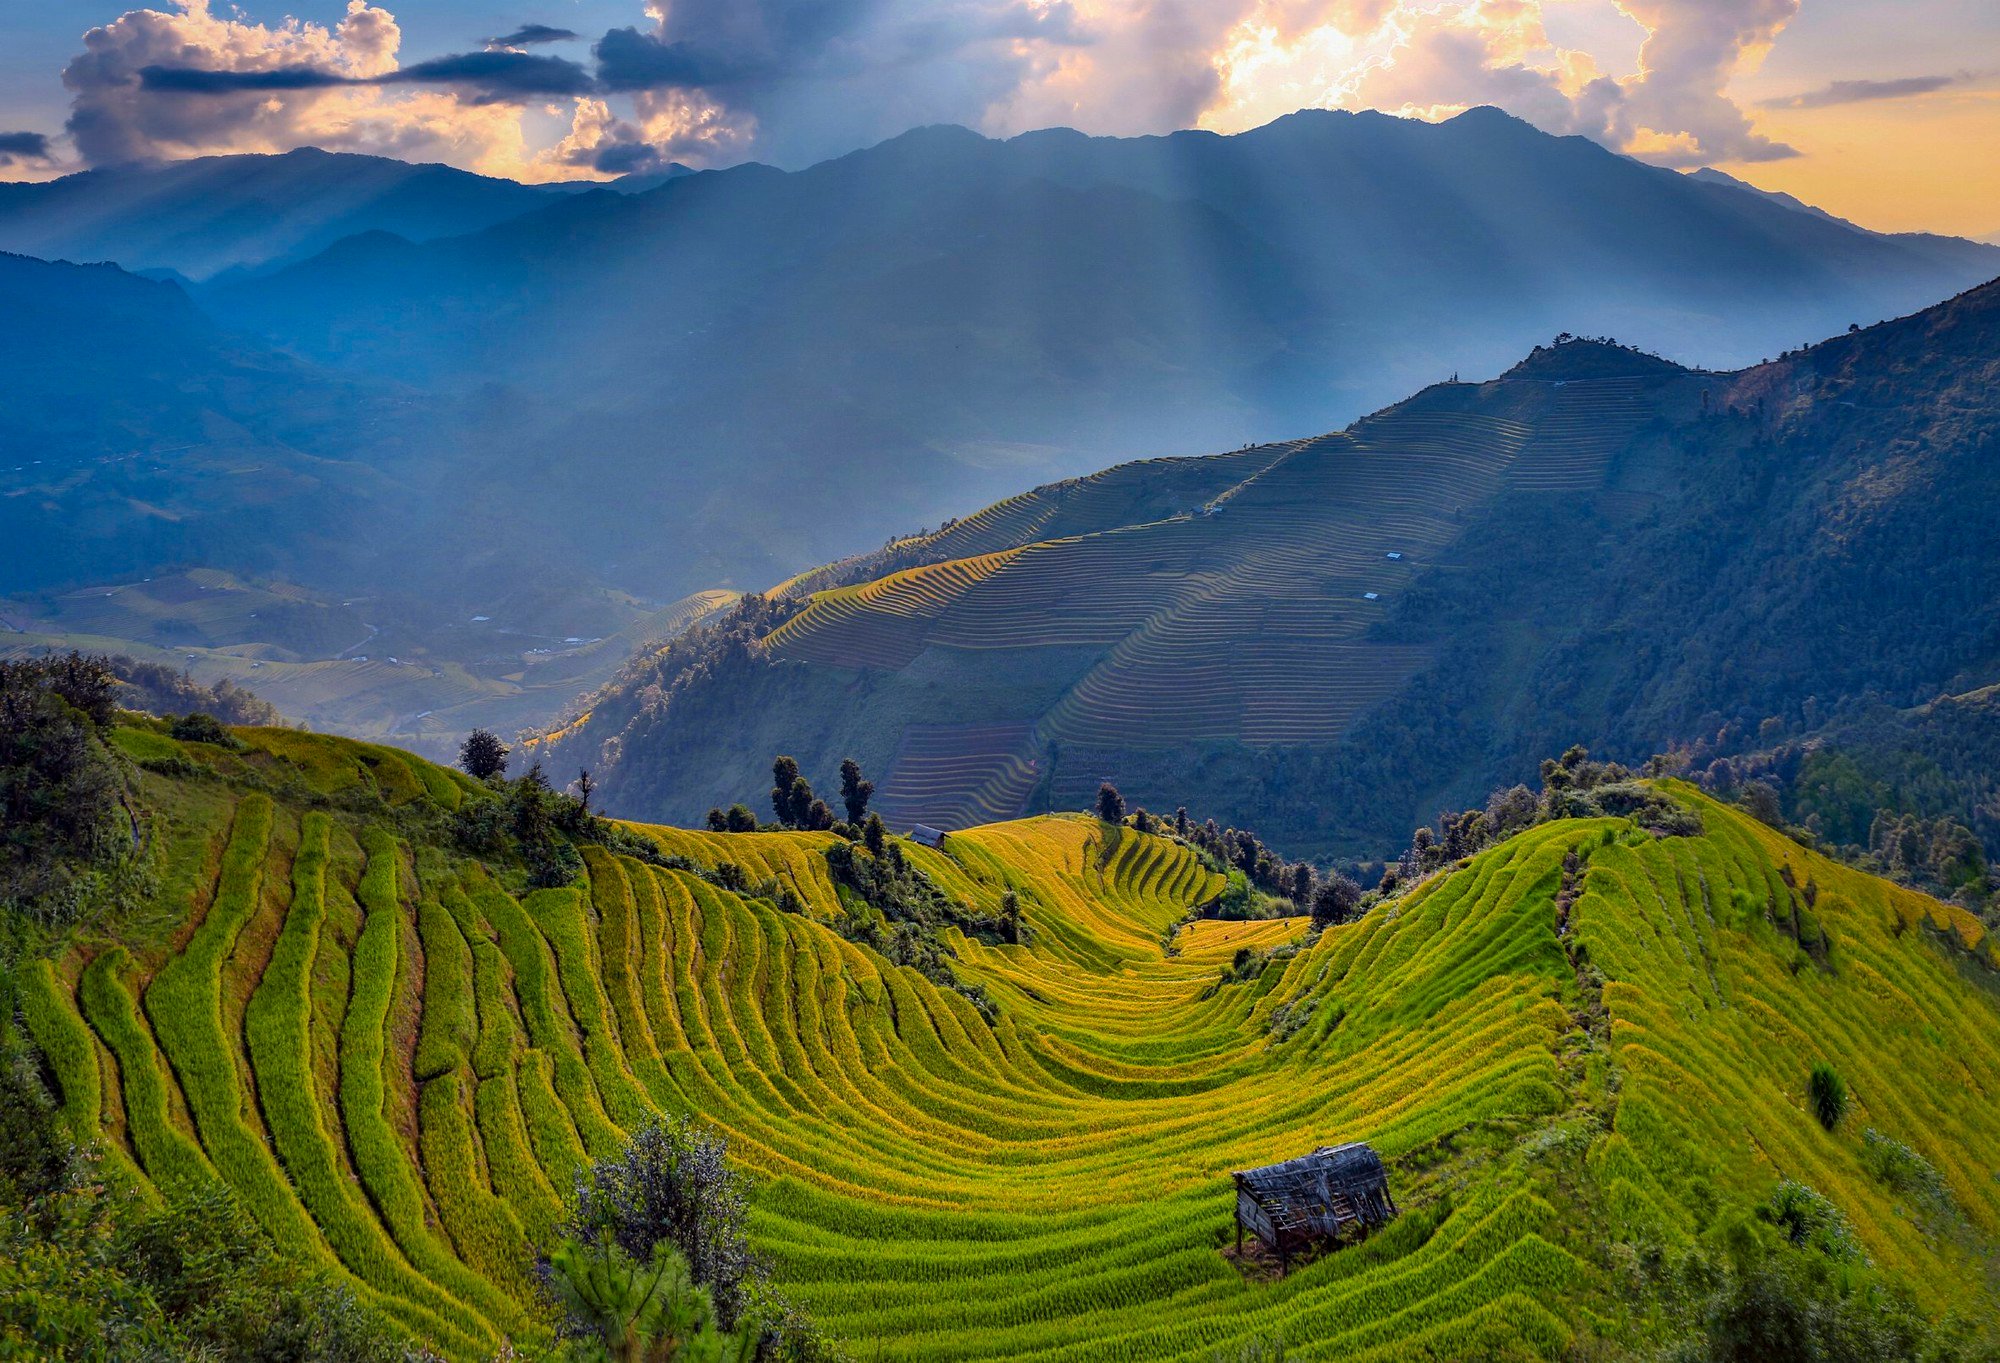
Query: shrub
point(198, 727)
point(1827, 1093)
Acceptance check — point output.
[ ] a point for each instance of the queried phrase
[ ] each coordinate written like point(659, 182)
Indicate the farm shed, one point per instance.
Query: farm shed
point(1336, 1191)
point(928, 836)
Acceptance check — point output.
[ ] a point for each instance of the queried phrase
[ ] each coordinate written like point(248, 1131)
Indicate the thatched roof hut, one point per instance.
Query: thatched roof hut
point(1336, 1192)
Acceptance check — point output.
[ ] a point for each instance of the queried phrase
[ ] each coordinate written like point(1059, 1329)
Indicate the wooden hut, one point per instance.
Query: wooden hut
point(1337, 1192)
point(927, 836)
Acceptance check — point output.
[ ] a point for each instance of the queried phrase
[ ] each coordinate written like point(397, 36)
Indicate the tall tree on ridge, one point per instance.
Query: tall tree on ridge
point(854, 791)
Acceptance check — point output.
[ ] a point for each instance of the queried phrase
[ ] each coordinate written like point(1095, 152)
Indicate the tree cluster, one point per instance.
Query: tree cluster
point(62, 833)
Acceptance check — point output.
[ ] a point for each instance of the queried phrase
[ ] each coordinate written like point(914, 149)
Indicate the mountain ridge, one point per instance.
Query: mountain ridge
point(1358, 603)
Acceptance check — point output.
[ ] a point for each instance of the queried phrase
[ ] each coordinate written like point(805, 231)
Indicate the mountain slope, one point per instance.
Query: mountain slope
point(141, 435)
point(1329, 639)
point(210, 214)
point(1583, 1049)
point(930, 324)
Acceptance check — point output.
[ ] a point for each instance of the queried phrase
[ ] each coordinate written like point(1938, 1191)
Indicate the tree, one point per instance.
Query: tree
point(650, 1313)
point(718, 822)
point(1335, 900)
point(1181, 821)
point(1110, 804)
point(854, 791)
point(784, 773)
point(819, 816)
point(739, 819)
point(1010, 916)
point(798, 805)
point(584, 787)
point(483, 755)
point(1303, 885)
point(1827, 1093)
point(672, 1188)
point(199, 727)
point(60, 830)
point(875, 834)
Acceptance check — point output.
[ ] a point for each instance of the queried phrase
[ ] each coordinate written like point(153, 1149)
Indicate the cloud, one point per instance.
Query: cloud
point(706, 81)
point(527, 35)
point(814, 78)
point(23, 147)
point(1864, 91)
point(186, 81)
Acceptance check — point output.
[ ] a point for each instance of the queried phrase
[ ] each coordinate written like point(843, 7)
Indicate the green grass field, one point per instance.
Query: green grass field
point(400, 1064)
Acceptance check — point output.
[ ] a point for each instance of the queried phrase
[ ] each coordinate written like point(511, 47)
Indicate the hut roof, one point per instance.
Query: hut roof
point(1321, 1192)
point(928, 836)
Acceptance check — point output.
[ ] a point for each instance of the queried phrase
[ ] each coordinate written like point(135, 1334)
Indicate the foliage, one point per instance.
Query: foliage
point(88, 1273)
point(854, 790)
point(60, 790)
point(639, 1313)
point(160, 690)
point(1110, 804)
point(198, 727)
point(483, 755)
point(1827, 1093)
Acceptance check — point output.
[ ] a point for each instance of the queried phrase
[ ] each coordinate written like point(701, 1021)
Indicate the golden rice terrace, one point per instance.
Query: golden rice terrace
point(399, 1060)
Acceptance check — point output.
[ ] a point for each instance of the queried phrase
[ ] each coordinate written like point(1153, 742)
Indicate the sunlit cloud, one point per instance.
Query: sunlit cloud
point(713, 81)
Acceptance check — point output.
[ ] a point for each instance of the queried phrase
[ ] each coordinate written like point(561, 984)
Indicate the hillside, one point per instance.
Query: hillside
point(211, 214)
point(1582, 1053)
point(1330, 639)
point(791, 366)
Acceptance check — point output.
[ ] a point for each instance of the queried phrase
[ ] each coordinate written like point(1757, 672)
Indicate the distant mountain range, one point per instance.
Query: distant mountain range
point(570, 409)
point(1329, 639)
point(798, 364)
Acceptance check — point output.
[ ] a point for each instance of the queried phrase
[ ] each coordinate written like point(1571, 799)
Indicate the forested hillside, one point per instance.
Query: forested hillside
point(1635, 1090)
point(1331, 639)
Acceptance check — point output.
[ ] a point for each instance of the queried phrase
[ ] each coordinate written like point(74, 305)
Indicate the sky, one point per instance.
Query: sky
point(1884, 112)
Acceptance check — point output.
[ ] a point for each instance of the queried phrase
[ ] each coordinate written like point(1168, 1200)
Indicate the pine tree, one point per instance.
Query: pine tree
point(875, 834)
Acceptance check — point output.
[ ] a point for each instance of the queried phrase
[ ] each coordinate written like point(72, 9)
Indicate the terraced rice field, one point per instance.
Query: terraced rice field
point(956, 775)
point(400, 1065)
point(1244, 609)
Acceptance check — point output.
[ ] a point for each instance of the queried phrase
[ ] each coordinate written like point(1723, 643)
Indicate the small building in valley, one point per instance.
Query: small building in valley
point(1336, 1193)
point(930, 837)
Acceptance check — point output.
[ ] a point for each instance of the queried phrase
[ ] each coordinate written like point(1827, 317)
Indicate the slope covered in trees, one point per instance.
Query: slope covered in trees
point(399, 1053)
point(1331, 639)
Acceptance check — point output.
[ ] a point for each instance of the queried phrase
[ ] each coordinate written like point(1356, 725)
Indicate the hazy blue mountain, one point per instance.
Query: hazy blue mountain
point(777, 368)
point(1329, 640)
point(202, 216)
point(137, 434)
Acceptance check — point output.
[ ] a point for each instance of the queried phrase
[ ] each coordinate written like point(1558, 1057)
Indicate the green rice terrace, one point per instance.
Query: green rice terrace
point(1581, 1054)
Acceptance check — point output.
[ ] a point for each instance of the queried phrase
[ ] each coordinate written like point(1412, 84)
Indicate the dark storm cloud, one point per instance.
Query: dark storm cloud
point(527, 35)
point(488, 75)
point(23, 146)
point(498, 75)
point(1865, 91)
point(195, 80)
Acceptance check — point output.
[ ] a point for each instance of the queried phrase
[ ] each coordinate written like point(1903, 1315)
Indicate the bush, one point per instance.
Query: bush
point(1827, 1093)
point(202, 728)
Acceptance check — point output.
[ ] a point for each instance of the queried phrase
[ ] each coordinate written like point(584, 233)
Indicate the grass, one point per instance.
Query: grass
point(1055, 1185)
